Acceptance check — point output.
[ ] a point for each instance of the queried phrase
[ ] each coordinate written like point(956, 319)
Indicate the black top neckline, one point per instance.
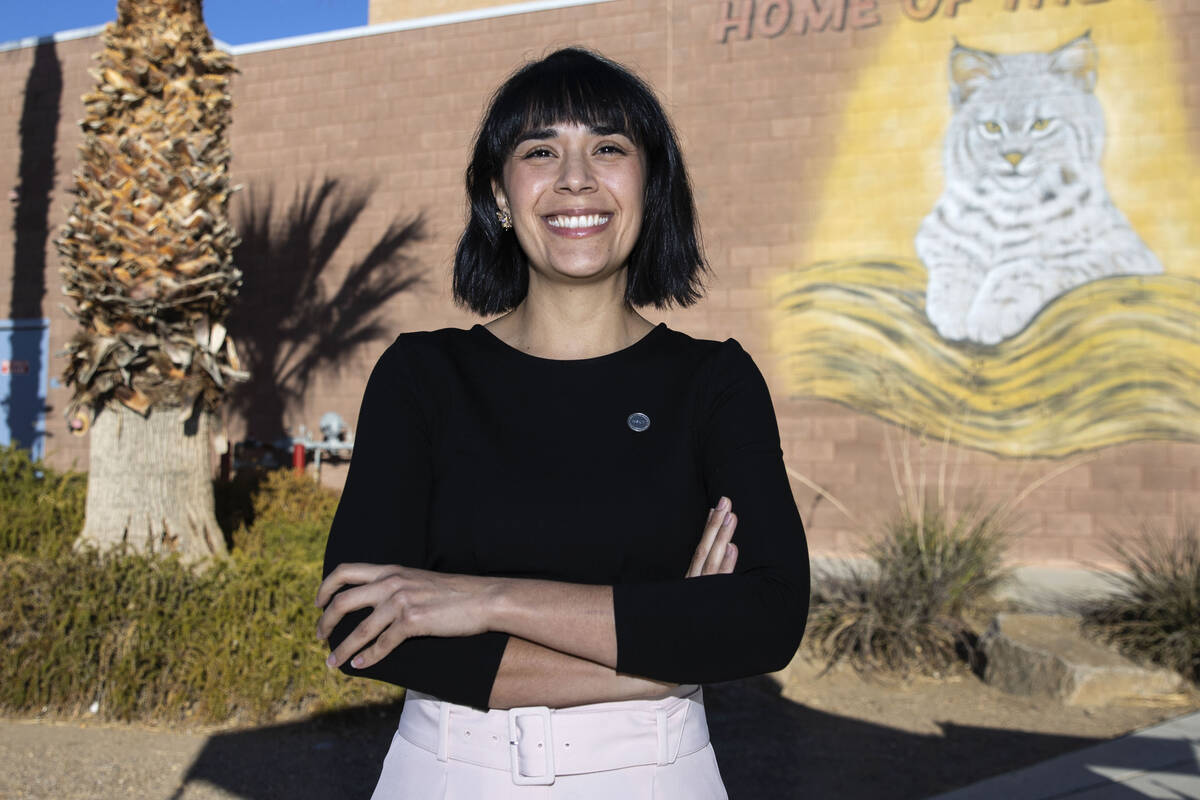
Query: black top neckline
point(499, 344)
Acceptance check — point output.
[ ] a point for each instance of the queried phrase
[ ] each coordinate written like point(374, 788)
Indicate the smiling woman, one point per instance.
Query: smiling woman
point(535, 537)
point(574, 88)
point(574, 197)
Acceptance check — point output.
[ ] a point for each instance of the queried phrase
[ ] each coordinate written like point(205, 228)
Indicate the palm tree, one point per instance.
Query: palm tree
point(148, 259)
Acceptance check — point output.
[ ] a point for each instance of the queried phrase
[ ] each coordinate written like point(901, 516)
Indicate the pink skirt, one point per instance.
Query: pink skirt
point(632, 750)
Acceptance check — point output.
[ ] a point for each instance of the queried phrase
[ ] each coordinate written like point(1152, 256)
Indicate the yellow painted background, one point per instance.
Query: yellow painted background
point(1113, 361)
point(887, 172)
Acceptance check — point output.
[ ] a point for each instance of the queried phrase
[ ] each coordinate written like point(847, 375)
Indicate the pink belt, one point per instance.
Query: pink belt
point(537, 743)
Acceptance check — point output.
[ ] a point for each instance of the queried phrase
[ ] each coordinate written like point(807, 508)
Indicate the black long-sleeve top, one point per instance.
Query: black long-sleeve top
point(473, 457)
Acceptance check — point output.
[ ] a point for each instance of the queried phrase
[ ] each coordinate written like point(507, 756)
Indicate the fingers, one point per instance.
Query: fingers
point(353, 599)
point(716, 553)
point(707, 536)
point(730, 559)
point(392, 595)
point(386, 642)
point(350, 574)
point(388, 599)
point(381, 627)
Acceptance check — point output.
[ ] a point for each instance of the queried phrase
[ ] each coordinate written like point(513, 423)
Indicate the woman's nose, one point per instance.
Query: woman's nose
point(575, 174)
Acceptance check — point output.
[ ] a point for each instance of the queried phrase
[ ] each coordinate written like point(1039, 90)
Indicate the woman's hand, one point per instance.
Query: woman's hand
point(407, 602)
point(716, 553)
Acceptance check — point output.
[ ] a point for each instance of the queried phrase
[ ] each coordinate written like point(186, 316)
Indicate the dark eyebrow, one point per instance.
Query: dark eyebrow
point(608, 130)
point(550, 133)
point(544, 133)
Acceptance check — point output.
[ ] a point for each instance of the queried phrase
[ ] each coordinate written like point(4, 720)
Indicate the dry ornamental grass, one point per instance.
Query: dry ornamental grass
point(1155, 613)
point(908, 613)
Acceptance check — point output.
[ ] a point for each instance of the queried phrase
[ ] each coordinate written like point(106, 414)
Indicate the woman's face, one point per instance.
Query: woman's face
point(575, 195)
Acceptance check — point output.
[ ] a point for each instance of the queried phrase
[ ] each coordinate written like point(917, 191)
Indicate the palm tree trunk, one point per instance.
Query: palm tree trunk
point(149, 484)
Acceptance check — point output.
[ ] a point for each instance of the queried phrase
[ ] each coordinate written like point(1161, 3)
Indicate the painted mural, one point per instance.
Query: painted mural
point(1025, 215)
point(1021, 273)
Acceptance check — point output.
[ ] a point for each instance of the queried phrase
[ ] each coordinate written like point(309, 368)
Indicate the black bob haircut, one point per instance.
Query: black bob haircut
point(491, 272)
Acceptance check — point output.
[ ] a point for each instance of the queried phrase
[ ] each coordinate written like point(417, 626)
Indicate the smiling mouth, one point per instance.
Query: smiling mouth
point(577, 221)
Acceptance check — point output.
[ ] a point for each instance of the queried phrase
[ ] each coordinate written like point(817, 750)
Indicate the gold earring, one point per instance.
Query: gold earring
point(505, 220)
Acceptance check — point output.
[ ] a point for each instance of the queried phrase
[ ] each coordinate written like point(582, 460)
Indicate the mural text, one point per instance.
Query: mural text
point(747, 19)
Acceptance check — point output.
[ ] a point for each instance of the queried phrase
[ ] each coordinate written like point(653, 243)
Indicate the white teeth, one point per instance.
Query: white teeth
point(580, 221)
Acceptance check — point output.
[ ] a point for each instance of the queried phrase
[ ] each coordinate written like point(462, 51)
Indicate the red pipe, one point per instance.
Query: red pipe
point(298, 458)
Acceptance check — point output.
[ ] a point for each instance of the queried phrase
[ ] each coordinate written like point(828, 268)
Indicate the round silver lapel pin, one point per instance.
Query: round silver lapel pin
point(638, 422)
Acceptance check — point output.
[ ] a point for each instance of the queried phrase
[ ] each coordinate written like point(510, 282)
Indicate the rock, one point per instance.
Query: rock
point(1046, 656)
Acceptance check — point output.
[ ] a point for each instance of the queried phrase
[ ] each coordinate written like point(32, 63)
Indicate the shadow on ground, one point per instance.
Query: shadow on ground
point(768, 747)
point(332, 755)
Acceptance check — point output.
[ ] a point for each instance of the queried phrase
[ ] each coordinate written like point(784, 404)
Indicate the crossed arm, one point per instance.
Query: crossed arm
point(491, 642)
point(562, 645)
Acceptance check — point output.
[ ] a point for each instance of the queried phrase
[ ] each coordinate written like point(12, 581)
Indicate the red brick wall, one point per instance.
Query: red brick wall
point(16, 68)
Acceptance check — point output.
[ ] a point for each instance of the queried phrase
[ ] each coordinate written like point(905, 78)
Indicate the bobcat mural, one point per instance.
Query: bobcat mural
point(1024, 215)
point(1024, 248)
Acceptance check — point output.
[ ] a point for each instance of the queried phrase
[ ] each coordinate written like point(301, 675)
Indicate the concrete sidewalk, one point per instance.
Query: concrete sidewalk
point(1159, 762)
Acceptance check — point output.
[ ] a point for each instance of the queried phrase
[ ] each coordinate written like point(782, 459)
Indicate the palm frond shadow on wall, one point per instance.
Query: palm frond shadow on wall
point(302, 310)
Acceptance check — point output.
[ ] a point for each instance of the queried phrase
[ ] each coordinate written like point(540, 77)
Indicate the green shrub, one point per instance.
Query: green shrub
point(1155, 614)
point(41, 510)
point(151, 640)
point(290, 520)
point(908, 612)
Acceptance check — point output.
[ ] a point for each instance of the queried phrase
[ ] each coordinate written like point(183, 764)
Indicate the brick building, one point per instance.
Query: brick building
point(831, 145)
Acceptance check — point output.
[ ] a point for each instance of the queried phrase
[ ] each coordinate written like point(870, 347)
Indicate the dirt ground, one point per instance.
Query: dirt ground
point(792, 735)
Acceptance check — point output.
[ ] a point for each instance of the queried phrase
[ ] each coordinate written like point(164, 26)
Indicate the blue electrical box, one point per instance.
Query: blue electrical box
point(24, 373)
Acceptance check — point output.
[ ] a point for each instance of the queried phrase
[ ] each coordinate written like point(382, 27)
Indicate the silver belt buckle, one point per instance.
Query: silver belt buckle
point(514, 746)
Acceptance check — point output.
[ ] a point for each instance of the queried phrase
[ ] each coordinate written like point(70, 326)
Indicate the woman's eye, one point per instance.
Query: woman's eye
point(610, 149)
point(538, 152)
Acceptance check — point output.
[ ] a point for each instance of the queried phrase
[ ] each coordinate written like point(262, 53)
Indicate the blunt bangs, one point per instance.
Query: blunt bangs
point(576, 86)
point(565, 90)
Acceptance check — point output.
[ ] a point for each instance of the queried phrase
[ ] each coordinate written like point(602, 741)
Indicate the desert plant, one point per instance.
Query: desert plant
point(41, 509)
point(1154, 615)
point(291, 518)
point(147, 639)
point(907, 612)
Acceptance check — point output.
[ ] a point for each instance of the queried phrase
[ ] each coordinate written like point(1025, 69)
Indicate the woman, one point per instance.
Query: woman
point(518, 532)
